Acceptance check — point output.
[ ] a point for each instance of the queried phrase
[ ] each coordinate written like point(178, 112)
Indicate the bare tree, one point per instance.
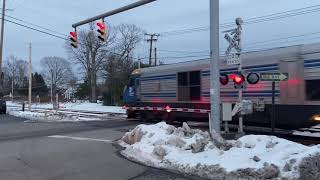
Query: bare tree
point(91, 55)
point(16, 70)
point(57, 72)
point(120, 64)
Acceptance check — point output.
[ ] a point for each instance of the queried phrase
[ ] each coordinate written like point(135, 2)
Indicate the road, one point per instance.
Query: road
point(69, 151)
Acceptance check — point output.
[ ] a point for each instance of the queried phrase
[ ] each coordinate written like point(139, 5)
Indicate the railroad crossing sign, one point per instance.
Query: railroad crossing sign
point(274, 76)
point(233, 59)
point(233, 42)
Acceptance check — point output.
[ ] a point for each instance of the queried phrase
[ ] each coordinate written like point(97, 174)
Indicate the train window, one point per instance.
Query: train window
point(131, 83)
point(195, 93)
point(183, 79)
point(313, 90)
point(189, 86)
point(195, 78)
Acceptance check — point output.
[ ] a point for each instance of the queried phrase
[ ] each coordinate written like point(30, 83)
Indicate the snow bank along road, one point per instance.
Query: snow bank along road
point(68, 151)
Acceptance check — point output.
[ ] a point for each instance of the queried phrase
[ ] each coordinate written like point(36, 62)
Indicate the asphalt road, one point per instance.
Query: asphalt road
point(69, 151)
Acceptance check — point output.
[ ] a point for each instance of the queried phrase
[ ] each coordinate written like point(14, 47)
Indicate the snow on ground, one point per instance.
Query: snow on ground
point(81, 106)
point(66, 116)
point(165, 146)
point(50, 116)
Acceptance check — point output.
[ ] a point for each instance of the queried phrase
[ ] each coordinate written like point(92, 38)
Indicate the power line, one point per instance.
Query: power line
point(34, 29)
point(178, 51)
point(47, 29)
point(270, 17)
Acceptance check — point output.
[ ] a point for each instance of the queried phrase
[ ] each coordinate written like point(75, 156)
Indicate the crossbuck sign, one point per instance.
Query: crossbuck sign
point(235, 41)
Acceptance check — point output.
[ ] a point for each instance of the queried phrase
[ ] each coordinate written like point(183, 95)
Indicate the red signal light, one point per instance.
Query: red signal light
point(238, 79)
point(73, 34)
point(102, 26)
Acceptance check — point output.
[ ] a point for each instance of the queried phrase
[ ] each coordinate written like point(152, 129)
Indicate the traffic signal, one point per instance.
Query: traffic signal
point(74, 39)
point(253, 78)
point(239, 81)
point(224, 79)
point(102, 31)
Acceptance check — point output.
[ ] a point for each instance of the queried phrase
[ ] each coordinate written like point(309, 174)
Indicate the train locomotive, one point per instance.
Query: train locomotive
point(181, 91)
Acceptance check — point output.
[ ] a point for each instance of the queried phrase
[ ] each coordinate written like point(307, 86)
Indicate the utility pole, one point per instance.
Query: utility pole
point(2, 33)
point(155, 57)
point(12, 83)
point(52, 87)
point(214, 68)
point(30, 77)
point(153, 38)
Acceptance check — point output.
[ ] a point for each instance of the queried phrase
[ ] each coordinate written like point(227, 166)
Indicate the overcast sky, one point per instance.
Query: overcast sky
point(160, 16)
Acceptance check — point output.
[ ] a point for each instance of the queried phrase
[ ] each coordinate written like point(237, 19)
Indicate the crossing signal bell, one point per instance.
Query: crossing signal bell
point(74, 39)
point(102, 31)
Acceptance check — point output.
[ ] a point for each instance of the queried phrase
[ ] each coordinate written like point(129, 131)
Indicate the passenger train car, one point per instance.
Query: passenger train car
point(181, 91)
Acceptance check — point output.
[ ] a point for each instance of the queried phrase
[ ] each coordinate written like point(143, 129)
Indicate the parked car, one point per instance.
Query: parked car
point(3, 107)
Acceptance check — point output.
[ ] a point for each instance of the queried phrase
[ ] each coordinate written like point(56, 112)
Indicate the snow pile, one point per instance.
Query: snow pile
point(193, 152)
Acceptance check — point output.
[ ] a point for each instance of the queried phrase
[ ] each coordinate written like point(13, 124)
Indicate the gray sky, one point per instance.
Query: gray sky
point(160, 16)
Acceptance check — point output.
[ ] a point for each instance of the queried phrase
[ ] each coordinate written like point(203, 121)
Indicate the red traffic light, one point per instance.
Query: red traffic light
point(74, 39)
point(238, 79)
point(224, 79)
point(73, 34)
point(102, 26)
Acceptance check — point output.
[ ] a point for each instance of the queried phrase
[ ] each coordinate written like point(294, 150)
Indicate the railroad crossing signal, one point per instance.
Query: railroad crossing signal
point(74, 39)
point(102, 31)
point(239, 81)
point(274, 76)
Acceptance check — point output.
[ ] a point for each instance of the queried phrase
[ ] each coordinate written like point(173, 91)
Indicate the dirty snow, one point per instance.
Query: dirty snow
point(269, 149)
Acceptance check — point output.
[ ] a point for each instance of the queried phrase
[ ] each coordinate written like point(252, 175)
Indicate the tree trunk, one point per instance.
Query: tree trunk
point(93, 88)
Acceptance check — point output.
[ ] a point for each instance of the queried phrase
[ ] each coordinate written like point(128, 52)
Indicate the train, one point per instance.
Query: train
point(181, 91)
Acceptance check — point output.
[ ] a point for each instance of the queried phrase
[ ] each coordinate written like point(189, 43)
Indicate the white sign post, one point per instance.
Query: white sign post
point(235, 59)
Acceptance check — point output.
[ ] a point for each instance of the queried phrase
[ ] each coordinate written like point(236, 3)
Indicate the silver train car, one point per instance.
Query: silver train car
point(181, 91)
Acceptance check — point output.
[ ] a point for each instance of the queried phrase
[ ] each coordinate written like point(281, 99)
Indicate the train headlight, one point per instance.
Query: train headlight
point(316, 118)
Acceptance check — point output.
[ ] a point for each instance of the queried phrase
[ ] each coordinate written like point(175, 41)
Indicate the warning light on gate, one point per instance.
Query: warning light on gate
point(168, 109)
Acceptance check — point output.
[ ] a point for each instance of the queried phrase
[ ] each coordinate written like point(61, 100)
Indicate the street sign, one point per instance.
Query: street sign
point(274, 76)
point(233, 59)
